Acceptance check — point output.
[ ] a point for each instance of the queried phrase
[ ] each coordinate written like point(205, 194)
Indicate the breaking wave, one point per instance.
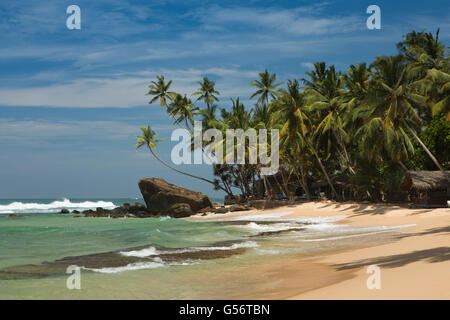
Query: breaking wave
point(152, 251)
point(55, 206)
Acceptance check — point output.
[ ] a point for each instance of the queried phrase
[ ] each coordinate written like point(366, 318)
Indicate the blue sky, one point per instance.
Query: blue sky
point(72, 101)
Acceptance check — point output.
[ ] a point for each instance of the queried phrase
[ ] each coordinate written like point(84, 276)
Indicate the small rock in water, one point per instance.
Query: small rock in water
point(64, 211)
point(75, 211)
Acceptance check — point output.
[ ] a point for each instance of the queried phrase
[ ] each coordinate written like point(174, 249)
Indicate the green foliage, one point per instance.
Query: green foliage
point(437, 138)
point(369, 123)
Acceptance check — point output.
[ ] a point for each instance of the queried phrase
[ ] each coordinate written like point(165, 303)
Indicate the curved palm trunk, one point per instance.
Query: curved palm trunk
point(184, 173)
point(304, 183)
point(323, 170)
point(423, 146)
point(346, 156)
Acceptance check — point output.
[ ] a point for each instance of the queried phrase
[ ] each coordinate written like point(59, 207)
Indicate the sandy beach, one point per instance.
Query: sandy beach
point(414, 264)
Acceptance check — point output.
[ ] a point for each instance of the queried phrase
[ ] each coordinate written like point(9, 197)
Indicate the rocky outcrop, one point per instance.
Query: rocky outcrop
point(137, 210)
point(162, 197)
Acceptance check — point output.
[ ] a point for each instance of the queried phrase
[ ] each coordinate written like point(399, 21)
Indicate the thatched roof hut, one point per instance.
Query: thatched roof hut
point(427, 187)
point(426, 180)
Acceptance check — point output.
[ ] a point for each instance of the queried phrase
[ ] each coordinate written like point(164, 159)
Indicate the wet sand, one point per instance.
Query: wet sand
point(414, 264)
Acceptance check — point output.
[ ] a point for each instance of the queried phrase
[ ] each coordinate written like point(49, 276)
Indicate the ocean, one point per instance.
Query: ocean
point(155, 258)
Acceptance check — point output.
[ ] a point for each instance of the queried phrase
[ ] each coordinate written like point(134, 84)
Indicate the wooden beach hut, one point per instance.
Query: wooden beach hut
point(427, 187)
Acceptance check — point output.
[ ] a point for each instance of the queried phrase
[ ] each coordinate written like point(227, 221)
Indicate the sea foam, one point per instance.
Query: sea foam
point(55, 206)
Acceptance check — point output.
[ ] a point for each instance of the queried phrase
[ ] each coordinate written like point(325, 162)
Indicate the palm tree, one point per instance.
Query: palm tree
point(296, 130)
point(206, 92)
point(183, 110)
point(429, 68)
point(160, 90)
point(325, 96)
point(148, 139)
point(208, 117)
point(266, 87)
point(394, 105)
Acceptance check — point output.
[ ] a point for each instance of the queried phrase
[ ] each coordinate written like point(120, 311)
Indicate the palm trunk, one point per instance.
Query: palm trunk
point(402, 165)
point(423, 146)
point(323, 170)
point(184, 173)
point(278, 184)
point(304, 183)
point(344, 149)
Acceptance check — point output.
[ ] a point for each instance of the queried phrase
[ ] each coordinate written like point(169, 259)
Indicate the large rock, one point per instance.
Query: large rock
point(161, 198)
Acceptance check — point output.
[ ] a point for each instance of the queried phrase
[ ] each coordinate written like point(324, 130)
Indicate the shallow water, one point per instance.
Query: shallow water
point(160, 258)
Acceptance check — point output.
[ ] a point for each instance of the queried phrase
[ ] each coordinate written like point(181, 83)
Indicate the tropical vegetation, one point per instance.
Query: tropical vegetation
point(370, 123)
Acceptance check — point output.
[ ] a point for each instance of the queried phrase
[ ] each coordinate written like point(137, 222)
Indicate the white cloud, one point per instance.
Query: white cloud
point(307, 65)
point(298, 21)
point(124, 90)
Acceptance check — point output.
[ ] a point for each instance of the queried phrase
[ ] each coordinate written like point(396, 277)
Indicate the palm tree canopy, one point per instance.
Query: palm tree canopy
point(160, 90)
point(207, 92)
point(147, 139)
point(266, 87)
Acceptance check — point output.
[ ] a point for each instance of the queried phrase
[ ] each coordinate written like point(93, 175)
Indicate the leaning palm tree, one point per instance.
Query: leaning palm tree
point(266, 87)
point(207, 92)
point(160, 90)
point(395, 104)
point(148, 139)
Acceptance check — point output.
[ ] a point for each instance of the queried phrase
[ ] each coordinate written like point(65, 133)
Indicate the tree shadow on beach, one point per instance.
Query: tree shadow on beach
point(439, 254)
point(427, 232)
point(360, 209)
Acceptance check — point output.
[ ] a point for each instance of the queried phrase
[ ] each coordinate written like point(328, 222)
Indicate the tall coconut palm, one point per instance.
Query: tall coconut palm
point(207, 92)
point(394, 104)
point(325, 96)
point(160, 90)
point(182, 110)
point(266, 87)
point(429, 68)
point(209, 116)
point(297, 129)
point(148, 139)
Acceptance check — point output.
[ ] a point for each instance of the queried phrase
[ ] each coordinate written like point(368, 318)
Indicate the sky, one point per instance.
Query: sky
point(72, 101)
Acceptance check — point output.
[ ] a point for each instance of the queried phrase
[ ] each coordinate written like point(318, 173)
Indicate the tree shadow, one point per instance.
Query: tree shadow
point(439, 254)
point(361, 209)
point(427, 232)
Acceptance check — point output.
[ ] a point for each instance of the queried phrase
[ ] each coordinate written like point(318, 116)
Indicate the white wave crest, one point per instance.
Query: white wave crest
point(156, 263)
point(55, 206)
point(151, 251)
point(272, 227)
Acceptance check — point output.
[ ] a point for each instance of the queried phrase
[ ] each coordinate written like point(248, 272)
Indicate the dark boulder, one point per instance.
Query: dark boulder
point(64, 211)
point(161, 196)
point(75, 211)
point(179, 210)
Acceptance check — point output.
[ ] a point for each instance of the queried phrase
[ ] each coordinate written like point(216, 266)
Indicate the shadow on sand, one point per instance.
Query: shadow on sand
point(439, 254)
point(361, 209)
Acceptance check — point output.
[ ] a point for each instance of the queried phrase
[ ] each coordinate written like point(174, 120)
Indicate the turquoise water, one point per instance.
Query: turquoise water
point(154, 258)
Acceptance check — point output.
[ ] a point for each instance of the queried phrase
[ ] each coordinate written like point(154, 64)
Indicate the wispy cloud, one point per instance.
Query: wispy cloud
point(123, 90)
